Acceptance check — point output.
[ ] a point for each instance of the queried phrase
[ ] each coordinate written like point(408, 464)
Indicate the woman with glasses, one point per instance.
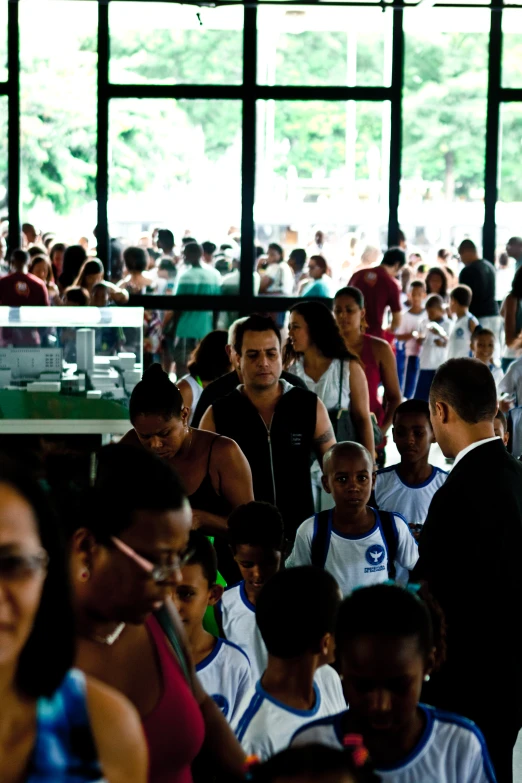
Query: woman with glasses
point(56, 724)
point(127, 551)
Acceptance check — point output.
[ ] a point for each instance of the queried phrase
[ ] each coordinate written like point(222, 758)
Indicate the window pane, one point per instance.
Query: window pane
point(324, 46)
point(444, 127)
point(511, 48)
point(3, 40)
point(58, 115)
point(322, 166)
point(510, 177)
point(164, 43)
point(177, 165)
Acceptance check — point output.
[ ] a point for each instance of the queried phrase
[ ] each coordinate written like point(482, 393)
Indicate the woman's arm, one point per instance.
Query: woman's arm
point(117, 733)
point(510, 319)
point(390, 381)
point(324, 436)
point(360, 406)
point(118, 295)
point(186, 392)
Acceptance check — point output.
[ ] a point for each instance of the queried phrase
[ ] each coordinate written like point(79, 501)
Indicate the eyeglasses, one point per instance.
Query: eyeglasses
point(158, 573)
point(18, 567)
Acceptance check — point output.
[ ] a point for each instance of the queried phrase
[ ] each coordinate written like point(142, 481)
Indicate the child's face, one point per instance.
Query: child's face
point(500, 432)
point(417, 296)
point(382, 682)
point(483, 347)
point(413, 436)
point(350, 481)
point(193, 595)
point(257, 565)
point(453, 306)
point(435, 313)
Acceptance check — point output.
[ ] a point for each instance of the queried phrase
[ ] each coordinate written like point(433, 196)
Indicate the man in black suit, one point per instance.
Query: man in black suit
point(470, 551)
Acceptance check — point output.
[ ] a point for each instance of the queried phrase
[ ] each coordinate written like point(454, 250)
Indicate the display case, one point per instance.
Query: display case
point(68, 370)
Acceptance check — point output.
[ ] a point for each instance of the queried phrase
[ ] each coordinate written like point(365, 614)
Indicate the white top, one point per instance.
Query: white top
point(497, 373)
point(459, 346)
point(512, 381)
point(356, 561)
point(197, 391)
point(328, 385)
point(282, 277)
point(410, 322)
point(238, 617)
point(266, 725)
point(432, 355)
point(451, 750)
point(226, 676)
point(411, 501)
point(473, 446)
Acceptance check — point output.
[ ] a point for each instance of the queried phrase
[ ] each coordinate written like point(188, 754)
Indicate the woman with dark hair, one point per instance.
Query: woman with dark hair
point(213, 469)
point(74, 258)
point(318, 283)
point(209, 361)
point(56, 255)
point(437, 283)
point(127, 552)
point(92, 273)
point(56, 723)
point(42, 269)
point(511, 311)
point(375, 354)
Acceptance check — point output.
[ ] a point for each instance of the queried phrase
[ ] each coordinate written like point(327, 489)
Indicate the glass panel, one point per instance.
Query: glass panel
point(511, 48)
point(323, 166)
point(444, 127)
point(164, 43)
point(3, 40)
point(58, 115)
point(324, 46)
point(509, 202)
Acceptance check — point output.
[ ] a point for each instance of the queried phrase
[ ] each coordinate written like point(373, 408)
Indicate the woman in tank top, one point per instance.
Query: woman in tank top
point(512, 314)
point(375, 354)
point(208, 362)
point(126, 555)
point(57, 724)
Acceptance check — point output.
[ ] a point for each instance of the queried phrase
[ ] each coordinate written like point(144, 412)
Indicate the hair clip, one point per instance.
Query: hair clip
point(250, 762)
point(355, 743)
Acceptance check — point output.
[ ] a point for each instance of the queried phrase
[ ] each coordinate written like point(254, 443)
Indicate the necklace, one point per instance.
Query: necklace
point(110, 638)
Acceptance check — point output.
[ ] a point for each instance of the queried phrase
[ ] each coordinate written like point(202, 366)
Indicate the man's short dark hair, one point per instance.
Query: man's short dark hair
point(467, 245)
point(135, 259)
point(192, 253)
point(209, 248)
point(189, 241)
point(295, 609)
point(165, 238)
point(256, 323)
point(19, 257)
point(462, 294)
point(419, 407)
point(394, 256)
point(467, 386)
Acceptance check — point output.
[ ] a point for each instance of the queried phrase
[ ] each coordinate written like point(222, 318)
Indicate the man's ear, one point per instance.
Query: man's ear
point(324, 482)
point(215, 594)
point(442, 411)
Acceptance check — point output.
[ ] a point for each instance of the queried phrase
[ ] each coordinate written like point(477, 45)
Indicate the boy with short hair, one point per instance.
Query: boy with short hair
point(464, 325)
point(409, 486)
point(296, 613)
point(433, 336)
point(223, 668)
point(500, 426)
point(356, 543)
point(410, 323)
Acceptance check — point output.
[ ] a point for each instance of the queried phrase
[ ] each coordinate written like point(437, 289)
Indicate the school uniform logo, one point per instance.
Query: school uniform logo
point(221, 702)
point(375, 555)
point(459, 333)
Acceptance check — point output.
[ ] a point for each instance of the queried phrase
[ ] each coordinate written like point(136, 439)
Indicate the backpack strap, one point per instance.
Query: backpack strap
point(321, 537)
point(391, 537)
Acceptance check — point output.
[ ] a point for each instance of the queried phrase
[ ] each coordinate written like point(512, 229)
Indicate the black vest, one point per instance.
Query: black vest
point(279, 459)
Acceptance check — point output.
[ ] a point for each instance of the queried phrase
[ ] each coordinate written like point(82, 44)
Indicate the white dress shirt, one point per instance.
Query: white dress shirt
point(473, 446)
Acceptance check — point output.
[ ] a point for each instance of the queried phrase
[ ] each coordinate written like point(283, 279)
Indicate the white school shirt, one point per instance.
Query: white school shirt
point(226, 676)
point(411, 501)
point(356, 561)
point(459, 346)
point(431, 355)
point(512, 381)
point(451, 750)
point(497, 373)
point(266, 725)
point(410, 322)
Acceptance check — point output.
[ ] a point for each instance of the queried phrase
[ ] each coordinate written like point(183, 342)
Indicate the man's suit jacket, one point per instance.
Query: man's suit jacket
point(471, 556)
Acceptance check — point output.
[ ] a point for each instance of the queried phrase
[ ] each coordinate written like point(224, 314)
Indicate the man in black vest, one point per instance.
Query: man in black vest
point(469, 552)
point(276, 425)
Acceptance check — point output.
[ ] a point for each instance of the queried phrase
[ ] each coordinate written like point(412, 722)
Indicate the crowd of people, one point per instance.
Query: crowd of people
point(240, 589)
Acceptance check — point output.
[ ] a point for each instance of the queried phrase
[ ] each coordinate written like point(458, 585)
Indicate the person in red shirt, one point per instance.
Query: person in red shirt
point(21, 288)
point(380, 288)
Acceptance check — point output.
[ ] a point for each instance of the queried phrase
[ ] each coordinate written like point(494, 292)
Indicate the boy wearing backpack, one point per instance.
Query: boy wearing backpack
point(357, 544)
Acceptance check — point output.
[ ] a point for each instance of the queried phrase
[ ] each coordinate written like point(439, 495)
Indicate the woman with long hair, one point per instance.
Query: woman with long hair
point(208, 361)
point(375, 354)
point(437, 283)
point(92, 273)
point(42, 269)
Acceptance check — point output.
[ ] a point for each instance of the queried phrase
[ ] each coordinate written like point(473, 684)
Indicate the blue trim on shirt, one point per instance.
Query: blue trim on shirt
point(336, 721)
point(426, 734)
point(434, 471)
point(301, 713)
point(363, 535)
point(464, 723)
point(244, 597)
point(248, 715)
point(236, 647)
point(231, 587)
point(208, 660)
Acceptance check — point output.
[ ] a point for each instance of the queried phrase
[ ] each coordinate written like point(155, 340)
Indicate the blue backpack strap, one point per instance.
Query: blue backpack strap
point(391, 536)
point(321, 538)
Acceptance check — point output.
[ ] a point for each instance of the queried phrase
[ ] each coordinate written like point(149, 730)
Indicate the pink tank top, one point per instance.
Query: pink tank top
point(174, 729)
point(373, 376)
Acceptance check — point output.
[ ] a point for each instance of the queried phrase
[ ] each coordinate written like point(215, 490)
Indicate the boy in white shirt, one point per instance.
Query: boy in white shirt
point(222, 668)
point(296, 612)
point(411, 320)
point(483, 343)
point(433, 335)
point(459, 346)
point(354, 542)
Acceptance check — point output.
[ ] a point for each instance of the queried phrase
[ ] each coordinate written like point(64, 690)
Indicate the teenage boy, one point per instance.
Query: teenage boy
point(223, 668)
point(355, 543)
point(296, 613)
point(464, 325)
point(409, 486)
point(410, 323)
